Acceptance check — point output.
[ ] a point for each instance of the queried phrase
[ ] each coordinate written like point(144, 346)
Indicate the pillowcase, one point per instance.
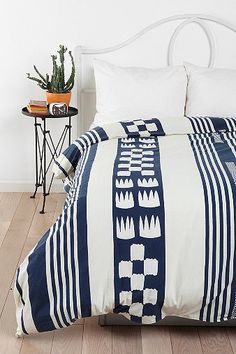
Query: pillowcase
point(131, 92)
point(210, 92)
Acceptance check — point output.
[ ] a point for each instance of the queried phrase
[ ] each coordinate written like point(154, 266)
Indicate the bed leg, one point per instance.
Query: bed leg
point(102, 320)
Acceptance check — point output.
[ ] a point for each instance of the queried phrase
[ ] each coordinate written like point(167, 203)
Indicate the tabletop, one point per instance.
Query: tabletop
point(72, 111)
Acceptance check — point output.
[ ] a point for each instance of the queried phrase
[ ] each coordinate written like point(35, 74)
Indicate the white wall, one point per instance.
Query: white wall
point(31, 30)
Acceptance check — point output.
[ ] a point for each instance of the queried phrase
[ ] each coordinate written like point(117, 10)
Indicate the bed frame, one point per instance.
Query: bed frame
point(128, 53)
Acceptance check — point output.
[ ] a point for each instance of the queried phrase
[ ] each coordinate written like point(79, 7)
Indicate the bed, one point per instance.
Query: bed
point(148, 226)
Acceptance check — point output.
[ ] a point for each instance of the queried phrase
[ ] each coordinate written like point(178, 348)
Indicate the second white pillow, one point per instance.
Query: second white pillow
point(211, 92)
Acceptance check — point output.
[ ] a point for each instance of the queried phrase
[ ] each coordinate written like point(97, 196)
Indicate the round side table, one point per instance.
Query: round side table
point(41, 164)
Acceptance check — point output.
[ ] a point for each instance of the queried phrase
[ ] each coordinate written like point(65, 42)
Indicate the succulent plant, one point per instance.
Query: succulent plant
point(56, 83)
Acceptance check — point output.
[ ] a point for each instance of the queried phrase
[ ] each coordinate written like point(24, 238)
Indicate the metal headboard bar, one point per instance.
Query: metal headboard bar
point(191, 17)
point(205, 29)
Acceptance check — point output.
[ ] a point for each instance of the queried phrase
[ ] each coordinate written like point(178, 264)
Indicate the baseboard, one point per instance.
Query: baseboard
point(25, 186)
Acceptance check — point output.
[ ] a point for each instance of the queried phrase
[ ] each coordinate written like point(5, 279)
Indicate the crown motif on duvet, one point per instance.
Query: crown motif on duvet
point(127, 140)
point(148, 199)
point(127, 145)
point(147, 146)
point(124, 183)
point(124, 200)
point(150, 182)
point(125, 228)
point(147, 140)
point(149, 228)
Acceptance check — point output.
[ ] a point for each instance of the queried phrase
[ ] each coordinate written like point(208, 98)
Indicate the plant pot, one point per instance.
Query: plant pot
point(58, 97)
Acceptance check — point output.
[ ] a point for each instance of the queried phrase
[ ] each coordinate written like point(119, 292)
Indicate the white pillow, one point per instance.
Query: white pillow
point(129, 93)
point(211, 92)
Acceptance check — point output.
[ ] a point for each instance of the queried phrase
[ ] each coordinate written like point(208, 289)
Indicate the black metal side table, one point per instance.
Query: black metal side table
point(41, 164)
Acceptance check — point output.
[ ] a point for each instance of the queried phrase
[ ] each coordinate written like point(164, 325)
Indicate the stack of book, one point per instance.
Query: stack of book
point(39, 107)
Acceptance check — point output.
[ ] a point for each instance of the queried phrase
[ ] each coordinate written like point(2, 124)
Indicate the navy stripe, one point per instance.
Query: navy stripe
point(154, 248)
point(219, 124)
point(101, 132)
point(38, 287)
point(85, 299)
point(72, 270)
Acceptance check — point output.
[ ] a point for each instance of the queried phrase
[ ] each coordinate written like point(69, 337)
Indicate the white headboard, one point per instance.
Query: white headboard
point(137, 52)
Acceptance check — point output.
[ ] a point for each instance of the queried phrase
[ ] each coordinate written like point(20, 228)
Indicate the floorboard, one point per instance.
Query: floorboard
point(68, 340)
point(9, 344)
point(231, 332)
point(13, 244)
point(156, 340)
point(215, 341)
point(126, 340)
point(96, 340)
point(8, 205)
point(185, 340)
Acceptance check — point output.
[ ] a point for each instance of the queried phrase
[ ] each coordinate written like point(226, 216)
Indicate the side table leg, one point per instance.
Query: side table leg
point(36, 157)
point(44, 166)
point(69, 130)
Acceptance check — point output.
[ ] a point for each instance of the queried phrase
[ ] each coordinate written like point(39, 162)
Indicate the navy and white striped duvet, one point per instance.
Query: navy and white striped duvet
point(147, 230)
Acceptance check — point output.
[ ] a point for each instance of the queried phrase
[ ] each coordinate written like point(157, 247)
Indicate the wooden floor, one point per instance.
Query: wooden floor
point(21, 226)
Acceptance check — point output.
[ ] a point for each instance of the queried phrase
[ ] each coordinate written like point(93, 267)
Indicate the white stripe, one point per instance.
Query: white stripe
point(69, 236)
point(228, 124)
point(63, 265)
point(181, 236)
point(87, 139)
point(97, 135)
point(211, 124)
point(92, 137)
point(232, 122)
point(100, 225)
point(76, 179)
point(79, 145)
point(76, 280)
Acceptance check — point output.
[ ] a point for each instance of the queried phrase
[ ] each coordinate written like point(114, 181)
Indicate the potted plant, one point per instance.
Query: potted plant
point(57, 88)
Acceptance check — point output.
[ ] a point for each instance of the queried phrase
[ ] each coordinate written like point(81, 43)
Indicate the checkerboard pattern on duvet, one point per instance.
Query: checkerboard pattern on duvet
point(147, 229)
